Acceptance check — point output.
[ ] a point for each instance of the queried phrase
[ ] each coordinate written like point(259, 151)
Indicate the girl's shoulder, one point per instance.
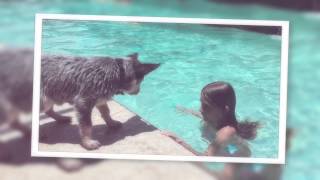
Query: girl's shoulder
point(225, 134)
point(227, 130)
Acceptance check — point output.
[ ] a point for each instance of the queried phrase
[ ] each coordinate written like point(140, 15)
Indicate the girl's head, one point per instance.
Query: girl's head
point(218, 102)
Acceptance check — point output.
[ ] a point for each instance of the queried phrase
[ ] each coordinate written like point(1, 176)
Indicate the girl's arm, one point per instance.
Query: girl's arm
point(213, 149)
point(189, 111)
point(182, 143)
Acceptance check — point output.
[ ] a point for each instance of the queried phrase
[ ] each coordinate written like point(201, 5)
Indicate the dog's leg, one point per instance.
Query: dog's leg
point(14, 121)
point(105, 113)
point(59, 118)
point(24, 128)
point(5, 155)
point(84, 109)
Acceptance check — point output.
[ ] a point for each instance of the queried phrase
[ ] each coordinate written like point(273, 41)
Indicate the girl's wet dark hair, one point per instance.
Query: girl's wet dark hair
point(221, 95)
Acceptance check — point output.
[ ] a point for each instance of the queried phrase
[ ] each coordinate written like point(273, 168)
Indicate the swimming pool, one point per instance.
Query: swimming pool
point(191, 56)
point(17, 29)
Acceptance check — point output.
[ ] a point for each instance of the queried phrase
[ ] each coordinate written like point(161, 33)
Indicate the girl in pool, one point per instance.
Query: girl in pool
point(239, 171)
point(220, 127)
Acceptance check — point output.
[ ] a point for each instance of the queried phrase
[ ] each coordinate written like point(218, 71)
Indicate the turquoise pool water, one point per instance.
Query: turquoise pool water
point(191, 57)
point(303, 105)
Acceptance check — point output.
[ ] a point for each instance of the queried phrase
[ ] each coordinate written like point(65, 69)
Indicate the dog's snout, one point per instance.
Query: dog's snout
point(135, 92)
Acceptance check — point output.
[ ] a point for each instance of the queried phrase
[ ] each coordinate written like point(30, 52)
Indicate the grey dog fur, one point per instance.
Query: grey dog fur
point(16, 69)
point(87, 83)
point(16, 82)
point(84, 82)
point(13, 88)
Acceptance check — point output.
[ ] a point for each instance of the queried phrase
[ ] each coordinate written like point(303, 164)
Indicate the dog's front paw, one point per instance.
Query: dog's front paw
point(70, 165)
point(91, 144)
point(112, 124)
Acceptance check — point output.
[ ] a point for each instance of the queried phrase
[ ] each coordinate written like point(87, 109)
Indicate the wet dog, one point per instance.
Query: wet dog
point(16, 82)
point(16, 79)
point(87, 83)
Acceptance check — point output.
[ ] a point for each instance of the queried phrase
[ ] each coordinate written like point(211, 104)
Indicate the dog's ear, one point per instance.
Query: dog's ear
point(133, 56)
point(147, 68)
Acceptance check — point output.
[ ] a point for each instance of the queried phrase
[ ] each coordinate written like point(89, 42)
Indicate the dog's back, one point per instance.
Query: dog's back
point(16, 78)
point(64, 77)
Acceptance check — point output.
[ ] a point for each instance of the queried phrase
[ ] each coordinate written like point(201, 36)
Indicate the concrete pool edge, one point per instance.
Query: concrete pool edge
point(137, 136)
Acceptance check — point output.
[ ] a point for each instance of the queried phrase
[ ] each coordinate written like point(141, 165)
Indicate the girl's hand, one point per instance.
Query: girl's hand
point(167, 133)
point(181, 109)
point(184, 110)
point(181, 142)
point(170, 135)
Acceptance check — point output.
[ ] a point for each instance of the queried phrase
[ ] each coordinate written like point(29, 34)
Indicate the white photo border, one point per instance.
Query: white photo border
point(283, 87)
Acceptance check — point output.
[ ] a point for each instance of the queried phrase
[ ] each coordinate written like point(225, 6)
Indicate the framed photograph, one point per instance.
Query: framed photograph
point(160, 88)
